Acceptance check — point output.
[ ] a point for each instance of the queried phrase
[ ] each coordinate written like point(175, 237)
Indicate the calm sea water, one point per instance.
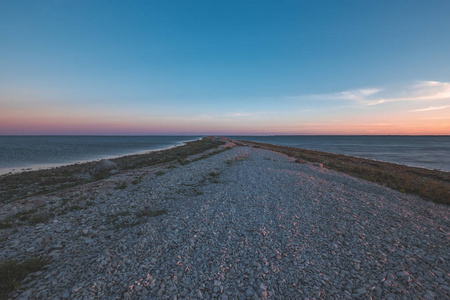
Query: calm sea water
point(35, 152)
point(432, 152)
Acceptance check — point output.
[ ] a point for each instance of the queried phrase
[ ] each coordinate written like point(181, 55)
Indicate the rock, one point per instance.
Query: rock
point(429, 295)
point(378, 291)
point(300, 161)
point(263, 291)
point(105, 165)
point(58, 246)
point(227, 243)
point(361, 291)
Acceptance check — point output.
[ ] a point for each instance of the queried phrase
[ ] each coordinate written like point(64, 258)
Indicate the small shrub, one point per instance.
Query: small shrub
point(159, 173)
point(76, 207)
point(40, 218)
point(114, 218)
point(150, 213)
point(5, 224)
point(12, 273)
point(120, 186)
point(24, 215)
point(64, 201)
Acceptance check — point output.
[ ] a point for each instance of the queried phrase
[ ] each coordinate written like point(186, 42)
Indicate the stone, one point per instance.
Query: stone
point(361, 291)
point(378, 291)
point(105, 165)
point(225, 243)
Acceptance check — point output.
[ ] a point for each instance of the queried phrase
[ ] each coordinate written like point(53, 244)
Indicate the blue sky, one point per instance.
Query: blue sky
point(224, 67)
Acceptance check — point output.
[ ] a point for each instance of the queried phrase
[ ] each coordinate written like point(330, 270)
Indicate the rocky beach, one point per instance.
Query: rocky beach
point(233, 222)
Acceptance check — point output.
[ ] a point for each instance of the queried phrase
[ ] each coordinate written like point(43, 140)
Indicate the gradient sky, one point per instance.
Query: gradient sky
point(225, 67)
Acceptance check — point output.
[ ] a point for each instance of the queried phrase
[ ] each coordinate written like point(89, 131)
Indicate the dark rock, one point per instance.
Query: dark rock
point(105, 165)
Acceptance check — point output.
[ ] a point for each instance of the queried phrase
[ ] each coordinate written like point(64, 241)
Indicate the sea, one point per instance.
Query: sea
point(24, 153)
point(431, 152)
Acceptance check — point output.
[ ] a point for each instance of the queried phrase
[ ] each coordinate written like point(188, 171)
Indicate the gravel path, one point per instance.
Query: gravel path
point(243, 224)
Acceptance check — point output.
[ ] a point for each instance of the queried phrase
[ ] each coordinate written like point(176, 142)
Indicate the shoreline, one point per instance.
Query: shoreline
point(433, 185)
point(410, 155)
point(440, 178)
point(35, 167)
point(241, 222)
point(46, 166)
point(24, 184)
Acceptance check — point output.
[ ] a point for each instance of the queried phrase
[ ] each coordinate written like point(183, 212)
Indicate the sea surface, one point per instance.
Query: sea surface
point(19, 153)
point(431, 152)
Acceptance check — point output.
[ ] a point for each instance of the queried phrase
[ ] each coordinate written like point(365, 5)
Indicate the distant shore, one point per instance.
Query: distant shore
point(217, 218)
point(433, 185)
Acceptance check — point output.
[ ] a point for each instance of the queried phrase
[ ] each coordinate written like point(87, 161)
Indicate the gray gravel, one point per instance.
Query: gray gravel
point(243, 224)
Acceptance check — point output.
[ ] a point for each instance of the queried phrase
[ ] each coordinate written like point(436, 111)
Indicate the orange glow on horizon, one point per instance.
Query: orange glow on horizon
point(63, 124)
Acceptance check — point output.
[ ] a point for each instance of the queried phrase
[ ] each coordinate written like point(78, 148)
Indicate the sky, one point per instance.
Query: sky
point(352, 67)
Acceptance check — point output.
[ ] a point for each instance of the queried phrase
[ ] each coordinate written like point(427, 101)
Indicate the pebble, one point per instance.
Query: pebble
point(243, 224)
point(361, 291)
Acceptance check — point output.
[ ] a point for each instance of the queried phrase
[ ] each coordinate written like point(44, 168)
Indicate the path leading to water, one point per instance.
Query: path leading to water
point(243, 224)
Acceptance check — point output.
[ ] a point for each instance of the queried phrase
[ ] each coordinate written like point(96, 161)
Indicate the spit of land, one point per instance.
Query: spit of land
point(225, 221)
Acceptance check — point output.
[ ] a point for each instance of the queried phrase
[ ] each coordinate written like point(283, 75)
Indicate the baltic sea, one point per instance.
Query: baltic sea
point(431, 152)
point(18, 153)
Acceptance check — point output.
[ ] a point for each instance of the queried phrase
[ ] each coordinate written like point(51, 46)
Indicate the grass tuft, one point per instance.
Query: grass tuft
point(150, 213)
point(431, 185)
point(13, 272)
point(41, 218)
point(23, 185)
point(120, 186)
point(76, 207)
point(5, 224)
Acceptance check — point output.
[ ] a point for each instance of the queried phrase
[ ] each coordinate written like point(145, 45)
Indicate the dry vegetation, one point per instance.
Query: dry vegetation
point(431, 185)
point(17, 186)
point(12, 272)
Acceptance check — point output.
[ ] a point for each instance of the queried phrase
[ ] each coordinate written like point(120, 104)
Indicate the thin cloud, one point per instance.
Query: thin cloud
point(431, 108)
point(420, 91)
point(247, 114)
point(242, 114)
point(358, 95)
point(424, 91)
